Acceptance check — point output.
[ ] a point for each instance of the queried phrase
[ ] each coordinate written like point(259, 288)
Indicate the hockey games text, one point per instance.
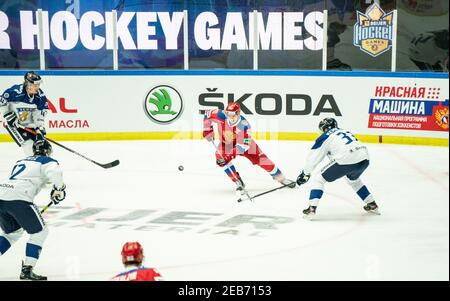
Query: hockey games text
point(63, 30)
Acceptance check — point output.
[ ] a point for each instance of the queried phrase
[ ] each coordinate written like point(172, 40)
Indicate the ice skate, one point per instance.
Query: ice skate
point(240, 183)
point(372, 207)
point(241, 194)
point(27, 274)
point(309, 212)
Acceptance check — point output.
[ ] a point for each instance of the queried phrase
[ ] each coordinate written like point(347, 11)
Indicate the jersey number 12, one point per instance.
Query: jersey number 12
point(18, 169)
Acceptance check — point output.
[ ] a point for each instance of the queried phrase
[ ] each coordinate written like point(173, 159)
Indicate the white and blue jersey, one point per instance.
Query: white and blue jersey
point(29, 176)
point(340, 146)
point(30, 111)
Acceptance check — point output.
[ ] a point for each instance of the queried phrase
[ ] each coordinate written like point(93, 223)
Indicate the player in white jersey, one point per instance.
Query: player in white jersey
point(349, 159)
point(17, 210)
point(25, 106)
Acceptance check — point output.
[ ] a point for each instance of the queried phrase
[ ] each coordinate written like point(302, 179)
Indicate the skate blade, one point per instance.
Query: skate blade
point(376, 212)
point(309, 217)
point(242, 199)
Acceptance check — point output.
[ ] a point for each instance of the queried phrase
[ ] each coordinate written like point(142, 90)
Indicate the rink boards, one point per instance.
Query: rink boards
point(386, 107)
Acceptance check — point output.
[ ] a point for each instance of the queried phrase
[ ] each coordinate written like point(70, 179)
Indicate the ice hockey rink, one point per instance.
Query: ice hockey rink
point(192, 227)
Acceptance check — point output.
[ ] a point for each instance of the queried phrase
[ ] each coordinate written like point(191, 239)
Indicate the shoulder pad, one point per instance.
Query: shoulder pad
point(320, 140)
point(43, 160)
point(221, 114)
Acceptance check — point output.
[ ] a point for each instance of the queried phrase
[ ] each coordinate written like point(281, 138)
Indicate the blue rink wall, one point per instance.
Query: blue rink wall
point(379, 107)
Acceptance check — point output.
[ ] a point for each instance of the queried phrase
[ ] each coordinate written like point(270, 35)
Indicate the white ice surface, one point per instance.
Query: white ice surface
point(409, 241)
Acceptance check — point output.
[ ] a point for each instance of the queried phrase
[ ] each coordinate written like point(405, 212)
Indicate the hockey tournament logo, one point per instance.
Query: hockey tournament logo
point(163, 104)
point(373, 31)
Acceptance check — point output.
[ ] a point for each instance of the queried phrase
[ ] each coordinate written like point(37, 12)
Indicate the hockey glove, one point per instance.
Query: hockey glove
point(10, 118)
point(224, 161)
point(208, 134)
point(302, 178)
point(40, 133)
point(58, 194)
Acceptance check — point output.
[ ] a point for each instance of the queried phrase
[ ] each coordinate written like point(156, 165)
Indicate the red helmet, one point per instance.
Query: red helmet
point(234, 108)
point(132, 252)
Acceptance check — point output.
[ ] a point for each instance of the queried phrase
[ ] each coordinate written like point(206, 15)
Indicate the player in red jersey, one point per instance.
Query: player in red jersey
point(132, 259)
point(236, 140)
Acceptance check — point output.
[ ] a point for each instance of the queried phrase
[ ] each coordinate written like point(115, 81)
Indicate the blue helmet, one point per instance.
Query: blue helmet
point(42, 148)
point(32, 77)
point(327, 124)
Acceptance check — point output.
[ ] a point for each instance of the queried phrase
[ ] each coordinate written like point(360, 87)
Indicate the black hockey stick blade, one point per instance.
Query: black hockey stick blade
point(110, 165)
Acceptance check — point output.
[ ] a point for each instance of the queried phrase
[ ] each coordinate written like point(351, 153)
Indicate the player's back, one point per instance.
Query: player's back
point(139, 274)
point(27, 178)
point(344, 147)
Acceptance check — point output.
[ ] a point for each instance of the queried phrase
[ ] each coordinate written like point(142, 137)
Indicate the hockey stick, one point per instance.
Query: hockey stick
point(269, 191)
point(14, 134)
point(229, 164)
point(107, 165)
point(46, 207)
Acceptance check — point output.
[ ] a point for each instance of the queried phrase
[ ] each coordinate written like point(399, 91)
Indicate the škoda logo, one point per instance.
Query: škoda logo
point(163, 104)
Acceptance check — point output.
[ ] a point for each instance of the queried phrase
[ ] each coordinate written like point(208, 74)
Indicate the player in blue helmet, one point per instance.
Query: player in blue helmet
point(17, 210)
point(349, 159)
point(25, 106)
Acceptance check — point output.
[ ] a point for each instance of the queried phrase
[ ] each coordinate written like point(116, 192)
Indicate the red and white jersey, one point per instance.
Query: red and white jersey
point(235, 138)
point(139, 274)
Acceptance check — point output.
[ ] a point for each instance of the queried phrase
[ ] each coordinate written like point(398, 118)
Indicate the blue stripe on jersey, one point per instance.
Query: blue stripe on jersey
point(41, 159)
point(240, 148)
point(363, 193)
point(243, 124)
point(131, 271)
point(320, 141)
point(316, 194)
point(324, 137)
point(33, 251)
point(39, 100)
point(221, 115)
point(4, 245)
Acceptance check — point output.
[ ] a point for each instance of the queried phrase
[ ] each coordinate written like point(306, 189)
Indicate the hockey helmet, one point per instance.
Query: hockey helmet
point(32, 77)
point(42, 148)
point(327, 124)
point(132, 253)
point(233, 108)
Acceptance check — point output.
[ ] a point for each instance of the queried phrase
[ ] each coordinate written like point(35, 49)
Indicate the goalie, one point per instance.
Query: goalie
point(235, 140)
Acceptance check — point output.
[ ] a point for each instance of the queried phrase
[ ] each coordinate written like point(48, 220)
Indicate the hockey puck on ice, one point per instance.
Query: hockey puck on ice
point(180, 168)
